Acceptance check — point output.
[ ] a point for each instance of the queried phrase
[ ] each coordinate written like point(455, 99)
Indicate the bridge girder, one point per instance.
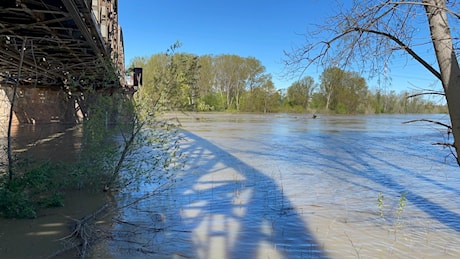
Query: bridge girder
point(64, 47)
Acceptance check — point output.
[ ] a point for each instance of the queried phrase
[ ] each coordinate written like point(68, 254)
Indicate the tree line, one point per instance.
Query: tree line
point(233, 83)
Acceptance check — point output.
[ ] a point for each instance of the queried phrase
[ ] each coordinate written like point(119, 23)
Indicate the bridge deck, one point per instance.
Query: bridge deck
point(67, 43)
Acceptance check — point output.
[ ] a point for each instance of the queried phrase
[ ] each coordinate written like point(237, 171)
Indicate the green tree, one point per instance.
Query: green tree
point(300, 92)
point(187, 92)
point(226, 70)
point(318, 101)
point(331, 82)
point(206, 95)
point(271, 97)
point(378, 102)
point(354, 93)
point(234, 75)
point(263, 99)
point(254, 74)
point(170, 79)
point(343, 91)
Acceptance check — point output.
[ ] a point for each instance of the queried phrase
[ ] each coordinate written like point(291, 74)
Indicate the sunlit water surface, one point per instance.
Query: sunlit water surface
point(289, 186)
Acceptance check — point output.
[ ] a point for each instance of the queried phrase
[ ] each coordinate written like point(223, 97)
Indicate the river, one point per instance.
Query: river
point(290, 186)
point(42, 237)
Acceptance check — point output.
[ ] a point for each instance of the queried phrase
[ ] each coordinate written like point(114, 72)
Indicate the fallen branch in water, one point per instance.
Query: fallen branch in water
point(82, 235)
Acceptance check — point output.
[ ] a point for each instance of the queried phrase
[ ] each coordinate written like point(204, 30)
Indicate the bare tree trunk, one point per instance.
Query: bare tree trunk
point(447, 61)
point(228, 96)
point(328, 99)
point(10, 119)
point(237, 98)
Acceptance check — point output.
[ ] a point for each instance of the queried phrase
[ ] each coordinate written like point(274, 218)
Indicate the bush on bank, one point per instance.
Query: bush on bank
point(41, 186)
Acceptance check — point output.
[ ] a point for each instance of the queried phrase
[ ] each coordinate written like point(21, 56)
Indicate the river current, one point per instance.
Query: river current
point(290, 186)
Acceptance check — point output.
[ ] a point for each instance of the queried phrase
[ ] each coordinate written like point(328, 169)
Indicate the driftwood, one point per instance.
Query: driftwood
point(83, 234)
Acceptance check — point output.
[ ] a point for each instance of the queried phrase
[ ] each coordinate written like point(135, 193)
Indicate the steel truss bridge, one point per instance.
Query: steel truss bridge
point(71, 46)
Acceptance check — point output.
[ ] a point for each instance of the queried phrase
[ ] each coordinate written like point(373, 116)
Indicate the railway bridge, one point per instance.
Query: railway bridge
point(55, 54)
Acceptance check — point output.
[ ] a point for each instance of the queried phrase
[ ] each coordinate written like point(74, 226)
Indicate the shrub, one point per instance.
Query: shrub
point(37, 187)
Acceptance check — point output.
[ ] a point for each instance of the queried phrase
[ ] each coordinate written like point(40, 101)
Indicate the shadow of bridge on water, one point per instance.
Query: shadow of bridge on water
point(221, 208)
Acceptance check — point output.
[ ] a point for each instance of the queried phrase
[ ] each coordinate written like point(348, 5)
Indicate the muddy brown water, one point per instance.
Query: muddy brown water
point(278, 186)
point(40, 237)
point(289, 186)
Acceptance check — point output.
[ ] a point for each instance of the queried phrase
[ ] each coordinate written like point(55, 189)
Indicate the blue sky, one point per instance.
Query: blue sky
point(257, 28)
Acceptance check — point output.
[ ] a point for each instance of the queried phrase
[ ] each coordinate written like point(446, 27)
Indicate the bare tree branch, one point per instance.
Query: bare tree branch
point(369, 33)
point(427, 93)
point(430, 121)
point(443, 144)
point(403, 46)
point(447, 10)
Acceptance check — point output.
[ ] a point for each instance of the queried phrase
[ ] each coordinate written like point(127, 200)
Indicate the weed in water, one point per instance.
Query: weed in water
point(14, 204)
point(33, 189)
point(402, 204)
point(380, 204)
point(396, 220)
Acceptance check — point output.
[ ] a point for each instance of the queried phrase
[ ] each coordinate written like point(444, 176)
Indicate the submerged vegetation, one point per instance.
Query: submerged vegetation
point(37, 187)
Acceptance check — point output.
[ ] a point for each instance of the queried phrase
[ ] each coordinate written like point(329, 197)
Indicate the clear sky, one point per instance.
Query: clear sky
point(257, 28)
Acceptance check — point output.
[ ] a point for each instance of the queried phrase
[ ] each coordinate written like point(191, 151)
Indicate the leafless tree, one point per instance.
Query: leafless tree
point(370, 33)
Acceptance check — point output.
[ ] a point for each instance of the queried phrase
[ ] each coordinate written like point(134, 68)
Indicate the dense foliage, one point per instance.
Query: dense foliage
point(36, 187)
point(234, 83)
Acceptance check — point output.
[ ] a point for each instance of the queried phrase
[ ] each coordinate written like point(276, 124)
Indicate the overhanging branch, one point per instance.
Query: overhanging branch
point(430, 121)
point(447, 10)
point(402, 45)
point(427, 93)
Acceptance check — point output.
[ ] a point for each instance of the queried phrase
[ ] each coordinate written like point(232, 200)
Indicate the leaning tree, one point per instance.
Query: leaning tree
point(370, 33)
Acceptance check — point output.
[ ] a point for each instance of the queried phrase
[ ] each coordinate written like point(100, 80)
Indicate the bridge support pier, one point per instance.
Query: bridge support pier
point(39, 106)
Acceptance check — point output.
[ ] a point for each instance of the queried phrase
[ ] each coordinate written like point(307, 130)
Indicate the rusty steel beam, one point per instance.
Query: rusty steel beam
point(95, 40)
point(63, 43)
